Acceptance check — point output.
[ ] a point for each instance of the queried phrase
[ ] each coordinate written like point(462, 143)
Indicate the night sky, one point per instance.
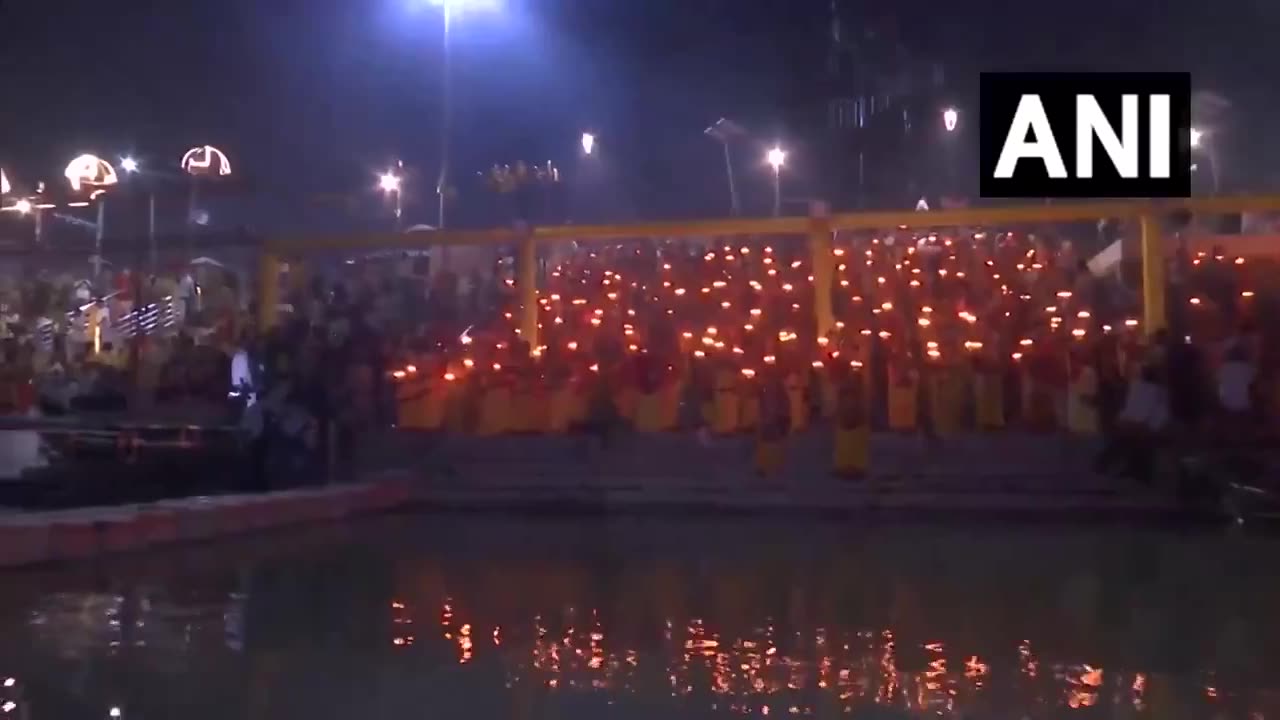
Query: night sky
point(313, 97)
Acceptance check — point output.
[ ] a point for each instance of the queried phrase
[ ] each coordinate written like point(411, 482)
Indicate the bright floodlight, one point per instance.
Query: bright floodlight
point(389, 182)
point(4, 183)
point(588, 143)
point(23, 206)
point(460, 6)
point(129, 164)
point(949, 119)
point(1196, 136)
point(776, 157)
point(90, 170)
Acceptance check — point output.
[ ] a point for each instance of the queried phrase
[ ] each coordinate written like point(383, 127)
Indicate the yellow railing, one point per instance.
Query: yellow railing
point(817, 226)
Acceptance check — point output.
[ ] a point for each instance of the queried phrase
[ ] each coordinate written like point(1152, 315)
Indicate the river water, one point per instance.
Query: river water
point(489, 616)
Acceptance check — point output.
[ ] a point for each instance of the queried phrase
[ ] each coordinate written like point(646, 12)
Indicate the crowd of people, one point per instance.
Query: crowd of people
point(935, 334)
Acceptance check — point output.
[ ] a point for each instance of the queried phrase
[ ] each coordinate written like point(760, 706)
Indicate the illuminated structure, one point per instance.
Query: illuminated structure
point(206, 160)
point(818, 227)
point(90, 171)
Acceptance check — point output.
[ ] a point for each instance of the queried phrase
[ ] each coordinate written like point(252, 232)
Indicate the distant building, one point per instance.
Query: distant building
point(884, 114)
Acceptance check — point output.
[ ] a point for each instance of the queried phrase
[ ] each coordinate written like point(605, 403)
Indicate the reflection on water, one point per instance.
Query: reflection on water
point(491, 617)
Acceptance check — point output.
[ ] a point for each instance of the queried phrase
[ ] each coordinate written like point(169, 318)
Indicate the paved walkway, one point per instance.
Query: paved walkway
point(1006, 472)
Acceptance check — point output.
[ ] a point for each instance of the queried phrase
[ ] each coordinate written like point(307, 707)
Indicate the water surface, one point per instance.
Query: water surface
point(488, 616)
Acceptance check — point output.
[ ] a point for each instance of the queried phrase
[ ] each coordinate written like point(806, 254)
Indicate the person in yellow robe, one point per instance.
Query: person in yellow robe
point(724, 420)
point(774, 423)
point(797, 403)
point(946, 406)
point(988, 389)
point(853, 431)
point(904, 390)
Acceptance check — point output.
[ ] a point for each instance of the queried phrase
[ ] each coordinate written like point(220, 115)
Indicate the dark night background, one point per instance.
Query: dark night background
point(311, 98)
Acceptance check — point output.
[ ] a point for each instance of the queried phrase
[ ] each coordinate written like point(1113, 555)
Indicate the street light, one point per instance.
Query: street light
point(448, 9)
point(588, 143)
point(949, 119)
point(776, 157)
point(129, 165)
point(390, 183)
point(1199, 141)
point(725, 131)
point(92, 171)
point(23, 206)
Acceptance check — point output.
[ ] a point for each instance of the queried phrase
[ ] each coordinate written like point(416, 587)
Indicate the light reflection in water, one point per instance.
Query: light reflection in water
point(757, 634)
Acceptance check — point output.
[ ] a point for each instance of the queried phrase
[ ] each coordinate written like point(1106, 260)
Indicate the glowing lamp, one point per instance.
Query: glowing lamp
point(588, 143)
point(90, 171)
point(949, 119)
point(206, 160)
point(389, 182)
point(23, 206)
point(776, 157)
point(5, 187)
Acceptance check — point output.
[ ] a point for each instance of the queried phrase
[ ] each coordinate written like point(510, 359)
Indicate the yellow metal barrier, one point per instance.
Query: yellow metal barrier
point(817, 228)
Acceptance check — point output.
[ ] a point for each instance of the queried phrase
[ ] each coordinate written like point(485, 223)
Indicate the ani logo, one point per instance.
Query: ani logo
point(206, 160)
point(90, 171)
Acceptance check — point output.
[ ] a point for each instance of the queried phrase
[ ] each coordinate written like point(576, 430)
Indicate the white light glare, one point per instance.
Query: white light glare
point(949, 119)
point(389, 182)
point(776, 157)
point(454, 7)
point(1196, 136)
point(23, 206)
point(588, 143)
point(129, 164)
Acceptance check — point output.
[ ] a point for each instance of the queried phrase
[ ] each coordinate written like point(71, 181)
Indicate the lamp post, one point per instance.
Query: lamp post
point(724, 131)
point(1199, 141)
point(91, 171)
point(201, 162)
point(390, 184)
point(131, 167)
point(776, 158)
point(449, 9)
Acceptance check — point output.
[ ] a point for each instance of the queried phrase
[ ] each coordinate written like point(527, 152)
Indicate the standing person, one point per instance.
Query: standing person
point(1143, 420)
point(775, 423)
point(853, 429)
point(1236, 377)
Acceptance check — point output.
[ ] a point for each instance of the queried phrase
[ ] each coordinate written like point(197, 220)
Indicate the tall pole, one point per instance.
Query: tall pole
point(191, 219)
point(446, 123)
point(777, 190)
point(728, 169)
point(98, 233)
point(154, 252)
